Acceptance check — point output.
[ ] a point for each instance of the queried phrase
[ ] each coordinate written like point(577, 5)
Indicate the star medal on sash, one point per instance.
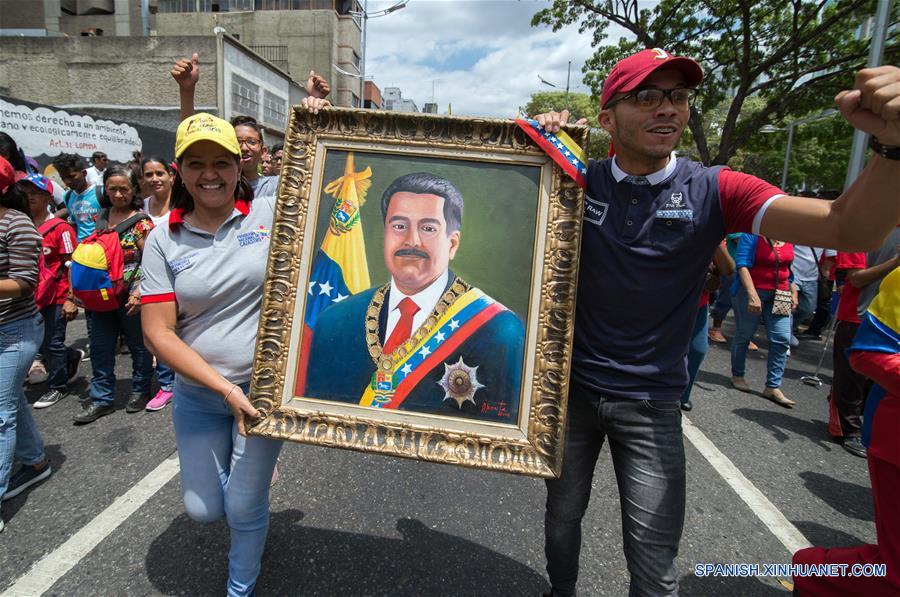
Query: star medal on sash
point(460, 382)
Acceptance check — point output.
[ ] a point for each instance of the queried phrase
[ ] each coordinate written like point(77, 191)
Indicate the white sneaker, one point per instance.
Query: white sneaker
point(37, 374)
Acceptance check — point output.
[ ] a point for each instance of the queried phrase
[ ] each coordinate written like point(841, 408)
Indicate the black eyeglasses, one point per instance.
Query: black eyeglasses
point(649, 98)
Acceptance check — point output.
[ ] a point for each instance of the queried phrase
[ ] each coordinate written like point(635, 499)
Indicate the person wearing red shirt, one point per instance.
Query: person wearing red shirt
point(849, 388)
point(764, 270)
point(722, 267)
point(875, 353)
point(52, 293)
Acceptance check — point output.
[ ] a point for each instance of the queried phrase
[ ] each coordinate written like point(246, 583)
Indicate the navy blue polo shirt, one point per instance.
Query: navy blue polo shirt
point(646, 246)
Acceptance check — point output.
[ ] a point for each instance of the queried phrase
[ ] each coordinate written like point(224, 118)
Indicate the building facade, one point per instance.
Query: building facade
point(297, 36)
point(373, 97)
point(394, 100)
point(127, 78)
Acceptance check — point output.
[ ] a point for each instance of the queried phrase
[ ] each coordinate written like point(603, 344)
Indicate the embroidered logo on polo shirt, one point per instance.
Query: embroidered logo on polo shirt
point(254, 236)
point(182, 263)
point(595, 211)
point(675, 209)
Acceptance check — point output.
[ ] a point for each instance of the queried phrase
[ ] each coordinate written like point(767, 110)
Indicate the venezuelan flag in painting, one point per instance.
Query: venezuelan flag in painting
point(339, 267)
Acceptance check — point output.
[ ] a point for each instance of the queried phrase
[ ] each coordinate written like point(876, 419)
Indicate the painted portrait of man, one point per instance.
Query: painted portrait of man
point(427, 340)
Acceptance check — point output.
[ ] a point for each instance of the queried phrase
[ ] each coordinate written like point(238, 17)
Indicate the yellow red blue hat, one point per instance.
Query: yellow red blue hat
point(41, 182)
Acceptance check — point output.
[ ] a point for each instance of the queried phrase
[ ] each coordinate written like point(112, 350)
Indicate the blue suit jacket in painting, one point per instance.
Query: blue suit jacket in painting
point(340, 367)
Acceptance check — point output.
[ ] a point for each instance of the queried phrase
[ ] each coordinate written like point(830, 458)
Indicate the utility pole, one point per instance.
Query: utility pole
point(876, 54)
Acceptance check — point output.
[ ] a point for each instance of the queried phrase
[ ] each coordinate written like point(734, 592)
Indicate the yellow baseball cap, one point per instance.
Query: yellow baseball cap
point(205, 127)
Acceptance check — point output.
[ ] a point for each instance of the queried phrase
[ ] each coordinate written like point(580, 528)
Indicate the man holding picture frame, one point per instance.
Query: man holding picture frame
point(653, 221)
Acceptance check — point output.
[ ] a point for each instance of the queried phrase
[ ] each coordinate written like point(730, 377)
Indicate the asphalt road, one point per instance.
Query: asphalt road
point(345, 523)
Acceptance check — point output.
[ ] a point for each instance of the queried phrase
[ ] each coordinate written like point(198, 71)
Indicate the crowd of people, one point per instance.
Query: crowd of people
point(156, 228)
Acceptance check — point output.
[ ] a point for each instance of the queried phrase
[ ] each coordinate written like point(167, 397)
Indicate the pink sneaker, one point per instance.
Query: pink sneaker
point(159, 401)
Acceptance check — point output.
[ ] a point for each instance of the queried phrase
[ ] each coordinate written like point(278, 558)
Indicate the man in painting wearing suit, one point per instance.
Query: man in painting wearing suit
point(427, 341)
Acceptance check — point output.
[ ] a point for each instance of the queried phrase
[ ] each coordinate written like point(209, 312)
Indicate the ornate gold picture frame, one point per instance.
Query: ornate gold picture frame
point(479, 230)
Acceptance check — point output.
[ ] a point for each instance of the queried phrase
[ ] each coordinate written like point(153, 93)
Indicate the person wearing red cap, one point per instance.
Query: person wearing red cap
point(653, 220)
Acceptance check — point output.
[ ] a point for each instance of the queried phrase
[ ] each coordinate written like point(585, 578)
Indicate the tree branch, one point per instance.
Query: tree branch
point(795, 76)
point(798, 42)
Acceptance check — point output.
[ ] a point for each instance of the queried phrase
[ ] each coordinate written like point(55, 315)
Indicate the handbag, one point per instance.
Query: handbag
point(782, 301)
point(713, 281)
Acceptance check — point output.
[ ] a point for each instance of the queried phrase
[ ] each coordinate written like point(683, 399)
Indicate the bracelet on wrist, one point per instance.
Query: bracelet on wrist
point(233, 387)
point(885, 151)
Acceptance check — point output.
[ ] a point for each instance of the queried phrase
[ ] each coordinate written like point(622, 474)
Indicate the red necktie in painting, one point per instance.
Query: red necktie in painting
point(403, 329)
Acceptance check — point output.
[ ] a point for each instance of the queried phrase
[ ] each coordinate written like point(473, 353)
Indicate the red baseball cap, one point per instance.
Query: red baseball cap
point(7, 174)
point(628, 73)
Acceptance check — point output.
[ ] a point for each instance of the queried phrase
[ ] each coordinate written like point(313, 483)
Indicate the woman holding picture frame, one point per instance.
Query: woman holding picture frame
point(211, 255)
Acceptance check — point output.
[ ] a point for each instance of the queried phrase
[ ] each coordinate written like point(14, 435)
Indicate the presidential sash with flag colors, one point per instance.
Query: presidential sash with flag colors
point(462, 319)
point(559, 146)
point(339, 267)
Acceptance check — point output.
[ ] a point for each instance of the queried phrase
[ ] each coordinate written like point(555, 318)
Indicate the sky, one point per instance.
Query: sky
point(483, 57)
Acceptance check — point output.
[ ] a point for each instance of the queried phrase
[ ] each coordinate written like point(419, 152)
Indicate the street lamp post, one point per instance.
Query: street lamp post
point(568, 80)
point(365, 16)
point(876, 53)
point(768, 128)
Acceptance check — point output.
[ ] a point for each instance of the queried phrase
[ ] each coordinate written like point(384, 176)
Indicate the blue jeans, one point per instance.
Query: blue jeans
point(104, 332)
point(19, 436)
point(697, 349)
point(723, 301)
point(165, 375)
point(224, 474)
point(53, 348)
point(648, 456)
point(778, 330)
point(807, 296)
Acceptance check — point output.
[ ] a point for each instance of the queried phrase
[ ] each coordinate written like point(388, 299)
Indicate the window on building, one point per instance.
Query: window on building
point(354, 58)
point(277, 55)
point(354, 100)
point(346, 6)
point(92, 7)
point(274, 110)
point(207, 5)
point(244, 96)
point(294, 4)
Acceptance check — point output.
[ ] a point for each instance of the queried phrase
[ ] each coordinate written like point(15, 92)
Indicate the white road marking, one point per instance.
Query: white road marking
point(57, 563)
point(789, 535)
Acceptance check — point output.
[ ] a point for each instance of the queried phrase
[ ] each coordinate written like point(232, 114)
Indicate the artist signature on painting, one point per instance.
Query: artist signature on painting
point(497, 409)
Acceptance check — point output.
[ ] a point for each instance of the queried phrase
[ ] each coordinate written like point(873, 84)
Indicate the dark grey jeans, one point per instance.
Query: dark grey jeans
point(648, 456)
